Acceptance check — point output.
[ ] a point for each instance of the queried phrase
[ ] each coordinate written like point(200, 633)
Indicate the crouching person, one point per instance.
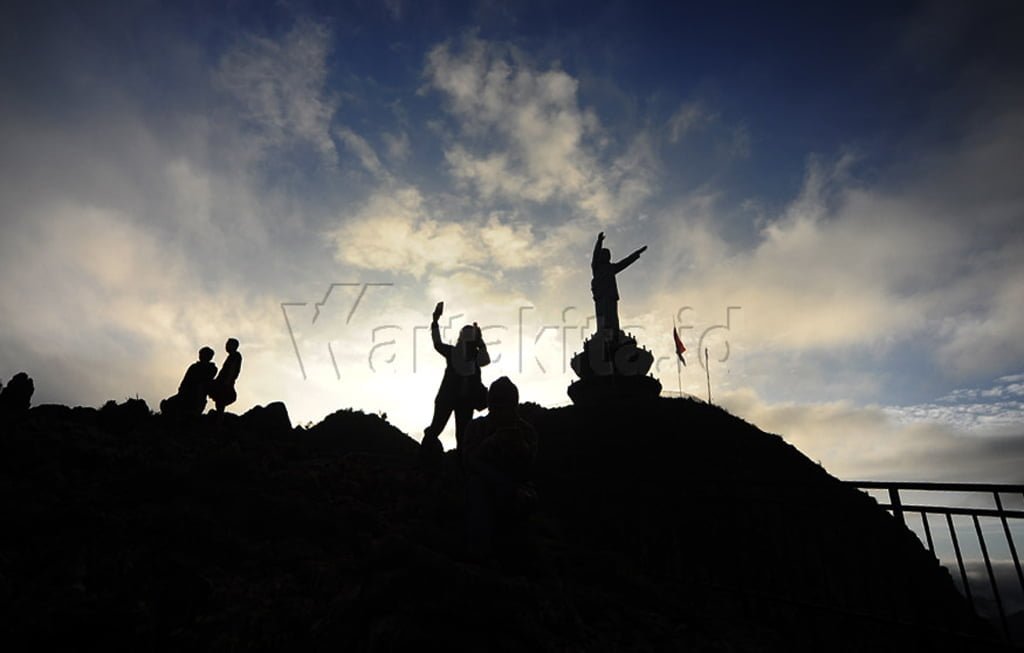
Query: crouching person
point(191, 397)
point(501, 449)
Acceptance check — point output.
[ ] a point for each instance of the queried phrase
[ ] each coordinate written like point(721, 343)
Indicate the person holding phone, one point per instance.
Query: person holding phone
point(461, 389)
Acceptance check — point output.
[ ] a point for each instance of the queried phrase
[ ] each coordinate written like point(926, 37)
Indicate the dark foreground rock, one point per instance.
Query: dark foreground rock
point(663, 525)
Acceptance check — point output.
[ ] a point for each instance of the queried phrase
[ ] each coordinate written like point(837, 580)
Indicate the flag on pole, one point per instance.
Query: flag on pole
point(679, 346)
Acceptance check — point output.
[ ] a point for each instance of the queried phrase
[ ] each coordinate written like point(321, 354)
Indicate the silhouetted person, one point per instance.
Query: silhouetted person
point(603, 286)
point(191, 397)
point(222, 391)
point(16, 398)
point(461, 389)
point(501, 449)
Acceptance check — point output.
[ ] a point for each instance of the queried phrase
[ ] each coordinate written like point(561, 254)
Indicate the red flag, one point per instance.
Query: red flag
point(679, 346)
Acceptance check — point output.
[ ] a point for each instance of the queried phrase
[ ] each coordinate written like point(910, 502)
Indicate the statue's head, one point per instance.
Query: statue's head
point(604, 255)
point(206, 354)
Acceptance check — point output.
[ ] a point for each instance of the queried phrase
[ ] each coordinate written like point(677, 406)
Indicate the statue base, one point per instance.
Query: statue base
point(600, 391)
point(612, 367)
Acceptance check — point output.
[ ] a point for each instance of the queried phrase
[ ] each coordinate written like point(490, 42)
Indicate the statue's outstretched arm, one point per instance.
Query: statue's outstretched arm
point(597, 248)
point(629, 260)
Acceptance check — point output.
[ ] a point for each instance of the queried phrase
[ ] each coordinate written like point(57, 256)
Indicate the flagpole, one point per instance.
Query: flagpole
point(707, 370)
point(679, 367)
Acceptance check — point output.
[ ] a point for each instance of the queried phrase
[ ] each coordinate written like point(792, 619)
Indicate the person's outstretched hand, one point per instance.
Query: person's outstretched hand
point(438, 310)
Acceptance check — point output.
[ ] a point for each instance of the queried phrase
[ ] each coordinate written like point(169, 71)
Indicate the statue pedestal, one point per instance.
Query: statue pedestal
point(612, 367)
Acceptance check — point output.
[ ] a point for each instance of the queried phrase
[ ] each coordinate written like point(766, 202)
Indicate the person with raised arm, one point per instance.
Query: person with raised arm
point(461, 389)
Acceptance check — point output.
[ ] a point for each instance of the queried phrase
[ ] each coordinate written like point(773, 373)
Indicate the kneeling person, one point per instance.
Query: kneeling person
point(191, 397)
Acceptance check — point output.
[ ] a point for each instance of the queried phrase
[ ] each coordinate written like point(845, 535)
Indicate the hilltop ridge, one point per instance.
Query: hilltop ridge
point(663, 524)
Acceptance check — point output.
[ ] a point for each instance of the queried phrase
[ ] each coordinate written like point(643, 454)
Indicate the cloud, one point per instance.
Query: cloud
point(111, 306)
point(280, 86)
point(133, 236)
point(693, 116)
point(690, 116)
point(935, 256)
point(524, 136)
point(365, 153)
point(990, 337)
point(393, 231)
point(397, 145)
point(521, 136)
point(874, 442)
point(997, 409)
point(400, 230)
point(511, 244)
point(813, 280)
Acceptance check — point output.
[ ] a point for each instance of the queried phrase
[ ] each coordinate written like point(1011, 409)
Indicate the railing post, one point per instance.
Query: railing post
point(959, 559)
point(927, 532)
point(897, 507)
point(1009, 540)
point(991, 577)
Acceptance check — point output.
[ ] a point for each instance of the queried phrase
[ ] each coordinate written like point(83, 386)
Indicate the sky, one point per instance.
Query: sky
point(831, 199)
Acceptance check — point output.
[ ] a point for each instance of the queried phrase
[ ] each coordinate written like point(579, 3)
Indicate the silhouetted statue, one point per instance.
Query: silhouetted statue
point(16, 398)
point(191, 397)
point(461, 388)
point(500, 452)
point(603, 286)
point(612, 366)
point(222, 390)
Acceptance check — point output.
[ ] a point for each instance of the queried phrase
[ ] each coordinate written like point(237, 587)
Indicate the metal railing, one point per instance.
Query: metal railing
point(900, 509)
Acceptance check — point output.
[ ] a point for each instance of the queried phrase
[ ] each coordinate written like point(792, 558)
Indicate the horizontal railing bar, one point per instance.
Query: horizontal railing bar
point(945, 487)
point(941, 510)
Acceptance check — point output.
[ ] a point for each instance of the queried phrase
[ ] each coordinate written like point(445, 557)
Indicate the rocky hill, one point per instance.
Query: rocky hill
point(661, 525)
